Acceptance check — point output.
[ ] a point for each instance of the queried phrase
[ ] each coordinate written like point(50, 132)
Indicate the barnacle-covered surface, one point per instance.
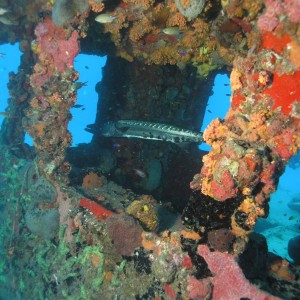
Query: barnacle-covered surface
point(138, 219)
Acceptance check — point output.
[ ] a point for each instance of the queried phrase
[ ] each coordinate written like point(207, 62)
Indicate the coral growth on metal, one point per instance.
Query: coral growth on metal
point(80, 235)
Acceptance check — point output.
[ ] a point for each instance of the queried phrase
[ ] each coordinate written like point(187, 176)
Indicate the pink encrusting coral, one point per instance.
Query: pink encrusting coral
point(270, 19)
point(274, 11)
point(57, 49)
point(55, 42)
point(231, 167)
point(228, 279)
point(199, 289)
point(292, 10)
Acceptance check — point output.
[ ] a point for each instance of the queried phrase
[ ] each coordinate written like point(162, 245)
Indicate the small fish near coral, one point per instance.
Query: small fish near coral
point(140, 173)
point(173, 31)
point(3, 11)
point(147, 130)
point(105, 18)
point(8, 19)
point(6, 115)
point(78, 85)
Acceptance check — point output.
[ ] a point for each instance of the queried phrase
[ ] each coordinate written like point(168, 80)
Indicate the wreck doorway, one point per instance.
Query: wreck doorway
point(161, 94)
point(84, 110)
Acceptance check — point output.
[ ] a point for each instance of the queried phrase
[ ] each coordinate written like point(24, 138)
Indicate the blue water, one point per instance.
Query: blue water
point(89, 69)
point(218, 103)
point(9, 62)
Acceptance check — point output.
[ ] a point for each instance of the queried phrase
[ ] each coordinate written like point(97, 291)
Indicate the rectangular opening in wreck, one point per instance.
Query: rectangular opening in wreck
point(84, 110)
point(218, 103)
point(9, 62)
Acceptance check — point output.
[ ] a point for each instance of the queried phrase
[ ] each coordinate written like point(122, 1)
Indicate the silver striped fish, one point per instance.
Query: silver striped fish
point(148, 131)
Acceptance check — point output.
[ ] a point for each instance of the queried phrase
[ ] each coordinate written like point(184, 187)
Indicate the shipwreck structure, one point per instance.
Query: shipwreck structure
point(138, 219)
